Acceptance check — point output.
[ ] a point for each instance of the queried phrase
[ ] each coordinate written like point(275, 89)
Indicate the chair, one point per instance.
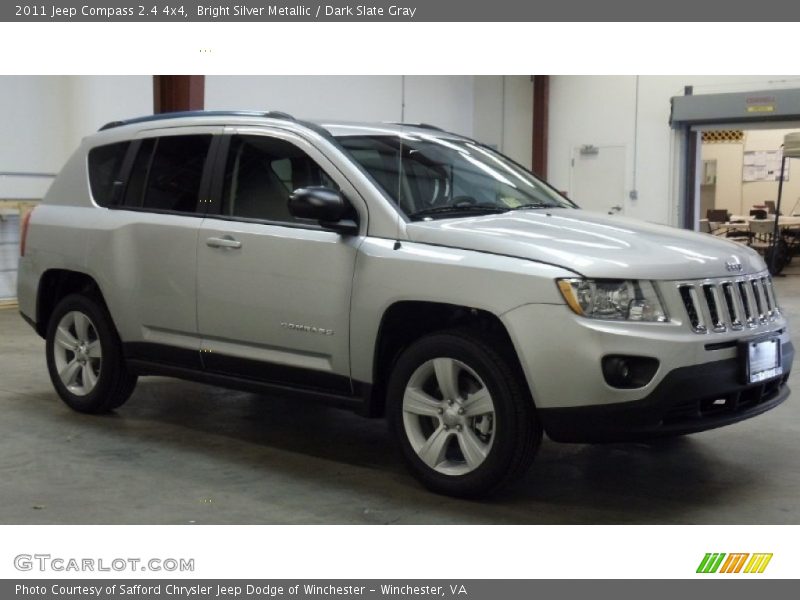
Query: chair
point(761, 231)
point(770, 204)
point(717, 215)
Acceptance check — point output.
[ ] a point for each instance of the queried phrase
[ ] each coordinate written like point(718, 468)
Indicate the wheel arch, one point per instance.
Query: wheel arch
point(406, 321)
point(56, 284)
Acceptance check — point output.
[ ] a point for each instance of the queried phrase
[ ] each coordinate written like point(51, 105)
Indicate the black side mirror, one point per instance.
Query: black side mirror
point(325, 205)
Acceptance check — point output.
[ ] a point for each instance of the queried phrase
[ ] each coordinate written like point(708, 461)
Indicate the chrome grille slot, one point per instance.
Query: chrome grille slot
point(759, 302)
point(765, 288)
point(734, 313)
point(714, 307)
point(690, 301)
point(729, 304)
point(776, 310)
point(747, 305)
point(765, 295)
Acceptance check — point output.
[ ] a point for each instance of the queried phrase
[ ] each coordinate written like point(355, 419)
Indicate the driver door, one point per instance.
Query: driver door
point(274, 291)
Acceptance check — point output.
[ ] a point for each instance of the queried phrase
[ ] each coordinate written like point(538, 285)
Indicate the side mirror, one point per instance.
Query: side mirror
point(325, 205)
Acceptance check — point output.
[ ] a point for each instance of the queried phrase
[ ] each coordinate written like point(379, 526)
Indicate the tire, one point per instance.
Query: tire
point(482, 440)
point(84, 357)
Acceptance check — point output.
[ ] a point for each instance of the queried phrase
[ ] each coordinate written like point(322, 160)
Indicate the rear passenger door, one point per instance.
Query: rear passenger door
point(274, 291)
point(154, 242)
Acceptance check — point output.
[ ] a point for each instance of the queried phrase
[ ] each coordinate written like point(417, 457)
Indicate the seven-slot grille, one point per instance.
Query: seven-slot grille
point(734, 304)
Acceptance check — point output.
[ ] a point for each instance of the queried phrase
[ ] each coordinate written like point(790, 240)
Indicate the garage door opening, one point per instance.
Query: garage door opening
point(743, 133)
point(732, 156)
point(737, 185)
point(738, 174)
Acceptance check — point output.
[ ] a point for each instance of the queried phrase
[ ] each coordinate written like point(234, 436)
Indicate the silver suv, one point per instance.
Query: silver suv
point(399, 270)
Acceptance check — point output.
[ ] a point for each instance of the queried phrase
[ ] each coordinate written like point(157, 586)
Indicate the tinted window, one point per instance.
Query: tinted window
point(138, 175)
point(173, 179)
point(260, 175)
point(104, 170)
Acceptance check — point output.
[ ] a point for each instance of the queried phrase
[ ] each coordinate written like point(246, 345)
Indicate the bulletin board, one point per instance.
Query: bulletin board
point(763, 165)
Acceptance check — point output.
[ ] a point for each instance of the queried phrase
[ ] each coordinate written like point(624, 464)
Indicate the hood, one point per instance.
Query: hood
point(592, 244)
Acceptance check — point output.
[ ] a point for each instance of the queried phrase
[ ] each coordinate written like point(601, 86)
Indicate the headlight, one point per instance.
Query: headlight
point(613, 299)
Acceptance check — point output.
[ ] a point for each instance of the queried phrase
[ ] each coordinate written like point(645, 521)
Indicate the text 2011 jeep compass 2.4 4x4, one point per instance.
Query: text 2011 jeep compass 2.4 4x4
point(396, 269)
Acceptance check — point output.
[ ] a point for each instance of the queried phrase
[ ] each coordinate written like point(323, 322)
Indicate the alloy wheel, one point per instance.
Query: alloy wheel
point(449, 416)
point(78, 353)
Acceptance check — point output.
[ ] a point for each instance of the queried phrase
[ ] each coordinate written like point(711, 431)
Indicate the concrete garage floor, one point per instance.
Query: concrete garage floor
point(184, 453)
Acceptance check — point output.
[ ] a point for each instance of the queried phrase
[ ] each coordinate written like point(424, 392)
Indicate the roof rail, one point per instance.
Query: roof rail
point(418, 125)
point(272, 114)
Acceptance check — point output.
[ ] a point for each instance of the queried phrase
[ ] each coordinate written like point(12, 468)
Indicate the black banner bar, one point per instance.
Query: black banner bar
point(403, 11)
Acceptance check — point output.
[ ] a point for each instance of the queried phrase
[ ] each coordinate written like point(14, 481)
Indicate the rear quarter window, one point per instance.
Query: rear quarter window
point(105, 163)
point(175, 173)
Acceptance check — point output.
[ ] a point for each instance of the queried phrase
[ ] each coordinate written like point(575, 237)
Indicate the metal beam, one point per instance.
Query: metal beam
point(173, 93)
point(541, 109)
point(759, 106)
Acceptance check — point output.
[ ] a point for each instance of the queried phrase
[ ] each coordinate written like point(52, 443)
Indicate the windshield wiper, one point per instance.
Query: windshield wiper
point(532, 205)
point(457, 208)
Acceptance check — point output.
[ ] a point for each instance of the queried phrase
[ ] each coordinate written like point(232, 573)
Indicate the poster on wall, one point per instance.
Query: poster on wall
point(763, 165)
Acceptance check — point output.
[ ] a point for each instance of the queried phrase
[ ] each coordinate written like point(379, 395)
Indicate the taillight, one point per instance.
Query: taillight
point(26, 220)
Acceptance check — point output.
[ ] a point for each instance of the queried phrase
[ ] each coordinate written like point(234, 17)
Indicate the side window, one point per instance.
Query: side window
point(176, 169)
point(105, 163)
point(138, 175)
point(260, 175)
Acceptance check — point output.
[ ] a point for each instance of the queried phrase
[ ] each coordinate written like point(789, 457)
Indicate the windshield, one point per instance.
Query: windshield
point(430, 177)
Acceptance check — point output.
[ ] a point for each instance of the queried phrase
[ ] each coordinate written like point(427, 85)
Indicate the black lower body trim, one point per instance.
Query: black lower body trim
point(28, 320)
point(275, 373)
point(355, 403)
point(145, 358)
point(162, 354)
point(688, 400)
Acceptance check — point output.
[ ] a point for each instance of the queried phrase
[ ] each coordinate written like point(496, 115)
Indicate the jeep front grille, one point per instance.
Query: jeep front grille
point(718, 306)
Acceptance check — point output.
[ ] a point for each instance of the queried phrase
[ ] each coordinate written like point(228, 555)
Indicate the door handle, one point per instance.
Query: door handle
point(226, 242)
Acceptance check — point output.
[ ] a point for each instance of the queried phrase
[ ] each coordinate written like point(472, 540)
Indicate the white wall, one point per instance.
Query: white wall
point(503, 115)
point(473, 106)
point(728, 187)
point(756, 192)
point(94, 101)
point(487, 118)
point(603, 110)
point(518, 120)
point(348, 98)
point(447, 102)
point(43, 118)
point(33, 133)
point(594, 110)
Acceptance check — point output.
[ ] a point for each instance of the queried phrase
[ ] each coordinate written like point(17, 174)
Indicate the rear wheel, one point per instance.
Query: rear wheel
point(462, 414)
point(84, 357)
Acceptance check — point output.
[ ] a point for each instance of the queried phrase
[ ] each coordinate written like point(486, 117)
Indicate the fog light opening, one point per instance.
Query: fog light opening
point(629, 372)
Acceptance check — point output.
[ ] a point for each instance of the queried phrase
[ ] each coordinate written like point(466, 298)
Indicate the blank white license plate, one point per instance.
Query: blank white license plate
point(763, 360)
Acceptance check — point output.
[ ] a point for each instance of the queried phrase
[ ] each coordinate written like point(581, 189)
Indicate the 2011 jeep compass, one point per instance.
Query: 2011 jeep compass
point(399, 270)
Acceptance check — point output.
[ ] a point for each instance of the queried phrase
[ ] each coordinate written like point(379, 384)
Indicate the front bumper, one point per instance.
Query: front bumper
point(561, 356)
point(687, 400)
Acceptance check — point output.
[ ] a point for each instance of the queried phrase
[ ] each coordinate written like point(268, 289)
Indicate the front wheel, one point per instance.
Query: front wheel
point(462, 414)
point(84, 357)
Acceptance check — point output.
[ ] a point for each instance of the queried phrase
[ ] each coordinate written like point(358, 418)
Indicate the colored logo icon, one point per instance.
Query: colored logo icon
point(742, 562)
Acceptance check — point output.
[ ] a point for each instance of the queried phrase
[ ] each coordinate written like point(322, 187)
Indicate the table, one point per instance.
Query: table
point(784, 223)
